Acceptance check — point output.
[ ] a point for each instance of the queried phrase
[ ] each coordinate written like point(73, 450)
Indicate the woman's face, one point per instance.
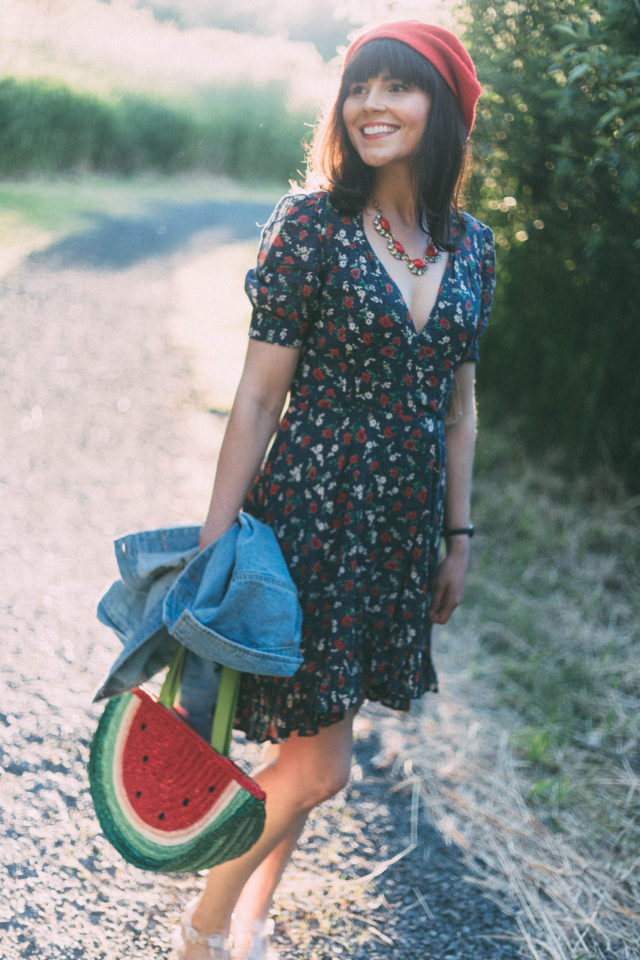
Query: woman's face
point(385, 120)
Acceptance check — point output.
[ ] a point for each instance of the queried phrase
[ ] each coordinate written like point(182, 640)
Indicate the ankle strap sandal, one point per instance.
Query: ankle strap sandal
point(218, 945)
point(253, 940)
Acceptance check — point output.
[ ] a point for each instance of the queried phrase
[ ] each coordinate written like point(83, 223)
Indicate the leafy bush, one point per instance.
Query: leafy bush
point(558, 143)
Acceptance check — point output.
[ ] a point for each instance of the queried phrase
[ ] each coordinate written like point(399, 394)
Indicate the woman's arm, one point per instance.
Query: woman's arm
point(266, 378)
point(460, 443)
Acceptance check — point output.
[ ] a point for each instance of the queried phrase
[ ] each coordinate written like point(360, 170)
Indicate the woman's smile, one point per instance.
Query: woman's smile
point(377, 129)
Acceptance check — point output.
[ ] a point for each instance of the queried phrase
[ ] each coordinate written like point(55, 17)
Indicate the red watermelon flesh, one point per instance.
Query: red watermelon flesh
point(172, 778)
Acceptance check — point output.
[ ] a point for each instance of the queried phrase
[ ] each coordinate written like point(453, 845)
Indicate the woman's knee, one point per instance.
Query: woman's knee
point(319, 766)
point(326, 784)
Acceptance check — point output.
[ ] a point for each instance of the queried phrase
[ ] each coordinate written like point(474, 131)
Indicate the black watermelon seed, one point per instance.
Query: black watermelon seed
point(145, 758)
point(161, 816)
point(211, 789)
point(143, 726)
point(185, 801)
point(138, 793)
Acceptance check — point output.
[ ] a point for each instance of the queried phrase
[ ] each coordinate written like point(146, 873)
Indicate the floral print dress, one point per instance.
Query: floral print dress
point(353, 484)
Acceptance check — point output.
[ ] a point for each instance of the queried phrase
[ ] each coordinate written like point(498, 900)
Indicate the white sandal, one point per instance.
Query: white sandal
point(259, 934)
point(217, 944)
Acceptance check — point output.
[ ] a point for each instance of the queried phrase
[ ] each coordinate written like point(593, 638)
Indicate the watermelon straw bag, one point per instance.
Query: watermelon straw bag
point(165, 799)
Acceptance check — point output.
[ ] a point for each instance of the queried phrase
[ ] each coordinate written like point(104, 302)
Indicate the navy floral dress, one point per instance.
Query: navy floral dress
point(353, 484)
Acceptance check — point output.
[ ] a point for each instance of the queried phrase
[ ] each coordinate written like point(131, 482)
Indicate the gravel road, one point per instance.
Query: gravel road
point(104, 432)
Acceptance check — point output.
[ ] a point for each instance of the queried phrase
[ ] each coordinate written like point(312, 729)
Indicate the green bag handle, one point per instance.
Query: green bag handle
point(225, 711)
point(171, 684)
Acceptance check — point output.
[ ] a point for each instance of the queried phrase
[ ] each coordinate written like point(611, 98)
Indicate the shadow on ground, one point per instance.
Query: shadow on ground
point(427, 903)
point(116, 243)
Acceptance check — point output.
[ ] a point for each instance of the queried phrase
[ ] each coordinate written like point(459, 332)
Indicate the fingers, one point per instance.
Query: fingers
point(442, 606)
point(439, 611)
point(446, 597)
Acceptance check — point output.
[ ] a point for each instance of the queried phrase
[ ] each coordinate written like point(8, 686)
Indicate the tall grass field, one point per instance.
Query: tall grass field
point(238, 131)
point(554, 606)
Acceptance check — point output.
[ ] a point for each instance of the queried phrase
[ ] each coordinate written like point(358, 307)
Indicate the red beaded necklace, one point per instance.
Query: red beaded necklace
point(396, 249)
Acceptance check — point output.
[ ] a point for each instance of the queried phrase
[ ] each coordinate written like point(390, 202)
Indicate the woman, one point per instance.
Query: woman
point(368, 301)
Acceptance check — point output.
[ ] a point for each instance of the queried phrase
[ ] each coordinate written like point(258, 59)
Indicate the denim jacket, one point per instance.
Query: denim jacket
point(233, 603)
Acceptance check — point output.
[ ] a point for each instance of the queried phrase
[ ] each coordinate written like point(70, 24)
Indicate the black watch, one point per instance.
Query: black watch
point(467, 531)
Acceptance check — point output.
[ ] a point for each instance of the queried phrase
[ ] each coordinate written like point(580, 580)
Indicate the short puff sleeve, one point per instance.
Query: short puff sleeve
point(284, 286)
point(487, 266)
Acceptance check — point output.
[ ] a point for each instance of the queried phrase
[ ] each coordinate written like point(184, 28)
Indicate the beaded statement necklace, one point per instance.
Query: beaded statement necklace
point(419, 265)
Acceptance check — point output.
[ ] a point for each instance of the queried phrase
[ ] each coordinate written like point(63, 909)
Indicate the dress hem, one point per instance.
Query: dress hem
point(272, 732)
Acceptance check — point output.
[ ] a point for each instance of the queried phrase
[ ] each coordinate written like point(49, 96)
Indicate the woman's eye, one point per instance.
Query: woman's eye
point(356, 89)
point(398, 87)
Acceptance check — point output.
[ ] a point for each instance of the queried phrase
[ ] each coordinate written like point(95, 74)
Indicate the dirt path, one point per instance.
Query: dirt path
point(105, 430)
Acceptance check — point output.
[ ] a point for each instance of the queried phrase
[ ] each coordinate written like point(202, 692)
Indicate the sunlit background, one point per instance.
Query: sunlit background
point(178, 46)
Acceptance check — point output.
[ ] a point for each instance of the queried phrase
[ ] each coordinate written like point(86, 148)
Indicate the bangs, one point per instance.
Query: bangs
point(392, 57)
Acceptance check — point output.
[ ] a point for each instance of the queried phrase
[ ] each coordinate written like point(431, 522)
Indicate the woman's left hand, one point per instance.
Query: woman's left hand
point(449, 585)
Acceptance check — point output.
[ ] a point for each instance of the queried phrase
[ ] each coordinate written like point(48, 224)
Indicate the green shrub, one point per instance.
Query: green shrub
point(245, 133)
point(45, 128)
point(148, 135)
point(558, 178)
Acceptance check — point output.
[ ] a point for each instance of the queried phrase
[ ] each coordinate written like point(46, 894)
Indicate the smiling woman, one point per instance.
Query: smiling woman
point(369, 298)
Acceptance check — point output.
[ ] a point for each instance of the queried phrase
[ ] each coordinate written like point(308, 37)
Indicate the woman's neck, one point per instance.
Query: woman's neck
point(394, 192)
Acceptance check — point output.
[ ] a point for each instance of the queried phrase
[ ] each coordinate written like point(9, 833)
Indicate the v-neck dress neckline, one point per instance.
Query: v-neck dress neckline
point(385, 278)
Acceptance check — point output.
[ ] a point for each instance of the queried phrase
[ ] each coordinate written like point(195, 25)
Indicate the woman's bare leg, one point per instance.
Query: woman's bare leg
point(252, 907)
point(301, 773)
point(254, 902)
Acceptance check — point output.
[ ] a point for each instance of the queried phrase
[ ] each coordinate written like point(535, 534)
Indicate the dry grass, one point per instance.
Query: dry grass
point(569, 903)
point(533, 758)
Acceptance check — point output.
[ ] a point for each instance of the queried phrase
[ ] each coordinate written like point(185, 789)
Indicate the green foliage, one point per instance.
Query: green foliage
point(558, 178)
point(554, 790)
point(250, 133)
point(49, 128)
point(148, 135)
point(536, 745)
point(239, 132)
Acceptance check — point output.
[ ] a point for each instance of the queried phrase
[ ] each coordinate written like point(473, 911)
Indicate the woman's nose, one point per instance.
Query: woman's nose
point(374, 99)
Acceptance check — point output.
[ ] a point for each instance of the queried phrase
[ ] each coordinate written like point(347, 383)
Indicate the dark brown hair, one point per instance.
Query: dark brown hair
point(440, 165)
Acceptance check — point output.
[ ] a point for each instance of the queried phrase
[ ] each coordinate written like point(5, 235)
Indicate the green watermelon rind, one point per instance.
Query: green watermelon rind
point(232, 834)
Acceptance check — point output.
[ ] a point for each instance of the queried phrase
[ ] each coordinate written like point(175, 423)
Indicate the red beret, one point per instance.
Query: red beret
point(442, 48)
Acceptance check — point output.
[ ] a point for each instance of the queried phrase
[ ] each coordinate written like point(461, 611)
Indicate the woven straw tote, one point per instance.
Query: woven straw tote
point(165, 799)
